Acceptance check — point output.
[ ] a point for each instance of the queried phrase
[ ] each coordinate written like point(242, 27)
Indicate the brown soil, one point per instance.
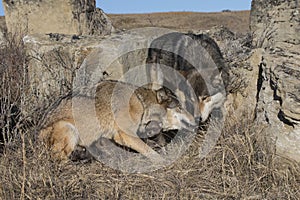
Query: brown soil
point(237, 21)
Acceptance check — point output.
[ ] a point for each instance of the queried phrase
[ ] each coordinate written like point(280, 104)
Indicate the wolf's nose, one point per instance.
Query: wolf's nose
point(191, 128)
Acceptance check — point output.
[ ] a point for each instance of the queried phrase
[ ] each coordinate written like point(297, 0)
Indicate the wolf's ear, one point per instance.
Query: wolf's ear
point(173, 102)
point(162, 96)
point(165, 97)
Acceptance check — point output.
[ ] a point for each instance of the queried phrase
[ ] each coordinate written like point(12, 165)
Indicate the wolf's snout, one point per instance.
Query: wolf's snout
point(200, 119)
point(189, 124)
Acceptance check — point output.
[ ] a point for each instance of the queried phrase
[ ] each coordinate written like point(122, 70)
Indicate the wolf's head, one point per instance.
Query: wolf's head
point(166, 114)
point(208, 87)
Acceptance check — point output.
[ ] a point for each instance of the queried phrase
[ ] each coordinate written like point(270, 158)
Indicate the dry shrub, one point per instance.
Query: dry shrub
point(57, 69)
point(13, 69)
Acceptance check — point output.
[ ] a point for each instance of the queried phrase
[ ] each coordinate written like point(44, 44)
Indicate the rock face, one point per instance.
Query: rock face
point(2, 30)
point(79, 17)
point(2, 37)
point(265, 71)
point(56, 58)
point(276, 26)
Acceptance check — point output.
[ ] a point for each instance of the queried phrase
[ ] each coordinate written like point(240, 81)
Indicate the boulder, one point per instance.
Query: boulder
point(53, 59)
point(2, 37)
point(77, 17)
point(275, 27)
point(56, 59)
point(2, 30)
point(265, 72)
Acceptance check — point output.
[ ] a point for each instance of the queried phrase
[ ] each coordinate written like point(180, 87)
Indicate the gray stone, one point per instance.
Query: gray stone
point(2, 38)
point(77, 17)
point(53, 61)
point(275, 27)
point(3, 30)
point(56, 58)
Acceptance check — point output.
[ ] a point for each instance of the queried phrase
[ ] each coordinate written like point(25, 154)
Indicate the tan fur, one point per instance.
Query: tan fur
point(116, 119)
point(61, 144)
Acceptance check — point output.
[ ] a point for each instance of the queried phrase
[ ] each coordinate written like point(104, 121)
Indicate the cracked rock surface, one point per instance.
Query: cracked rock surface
point(275, 26)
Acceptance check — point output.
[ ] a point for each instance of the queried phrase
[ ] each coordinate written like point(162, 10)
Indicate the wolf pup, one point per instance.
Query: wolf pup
point(121, 119)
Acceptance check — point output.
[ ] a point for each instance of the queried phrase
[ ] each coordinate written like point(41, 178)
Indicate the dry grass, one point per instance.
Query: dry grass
point(237, 21)
point(241, 166)
point(12, 87)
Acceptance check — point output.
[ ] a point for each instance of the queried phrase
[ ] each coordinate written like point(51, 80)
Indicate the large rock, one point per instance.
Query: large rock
point(2, 37)
point(77, 17)
point(53, 61)
point(56, 58)
point(275, 26)
point(3, 31)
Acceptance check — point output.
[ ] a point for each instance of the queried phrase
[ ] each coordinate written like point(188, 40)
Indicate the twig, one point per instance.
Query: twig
point(24, 166)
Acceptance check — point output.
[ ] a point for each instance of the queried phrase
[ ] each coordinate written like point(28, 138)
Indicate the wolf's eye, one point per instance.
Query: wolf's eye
point(179, 109)
point(205, 98)
point(172, 104)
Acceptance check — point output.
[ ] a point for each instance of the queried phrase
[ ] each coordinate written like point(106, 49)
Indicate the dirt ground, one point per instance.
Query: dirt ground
point(237, 21)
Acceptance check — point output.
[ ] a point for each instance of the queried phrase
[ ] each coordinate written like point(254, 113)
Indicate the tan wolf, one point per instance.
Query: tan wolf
point(121, 119)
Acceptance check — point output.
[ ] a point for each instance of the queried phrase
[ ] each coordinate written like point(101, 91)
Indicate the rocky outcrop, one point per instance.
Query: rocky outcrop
point(275, 26)
point(56, 58)
point(2, 30)
point(265, 71)
point(53, 60)
point(79, 17)
point(2, 37)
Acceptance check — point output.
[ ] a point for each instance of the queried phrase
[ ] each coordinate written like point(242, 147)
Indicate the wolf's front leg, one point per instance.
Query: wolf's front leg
point(138, 145)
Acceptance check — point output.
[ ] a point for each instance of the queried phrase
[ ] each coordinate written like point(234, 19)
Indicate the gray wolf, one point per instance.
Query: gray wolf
point(123, 120)
point(198, 62)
